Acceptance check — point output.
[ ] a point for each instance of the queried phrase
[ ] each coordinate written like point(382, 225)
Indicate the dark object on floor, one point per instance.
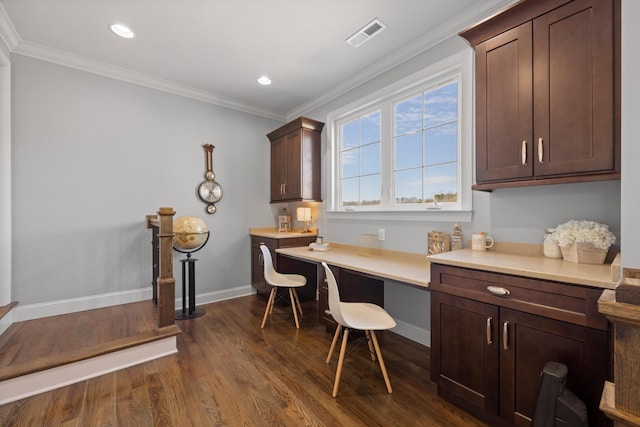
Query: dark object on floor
point(555, 405)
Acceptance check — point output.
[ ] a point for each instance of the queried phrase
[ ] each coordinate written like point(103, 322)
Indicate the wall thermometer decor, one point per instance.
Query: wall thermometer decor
point(209, 190)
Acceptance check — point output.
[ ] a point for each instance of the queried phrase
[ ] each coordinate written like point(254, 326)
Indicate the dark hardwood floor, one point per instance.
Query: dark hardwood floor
point(230, 372)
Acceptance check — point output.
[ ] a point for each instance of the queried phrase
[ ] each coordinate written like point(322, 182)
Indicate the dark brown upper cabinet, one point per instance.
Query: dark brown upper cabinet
point(547, 93)
point(295, 161)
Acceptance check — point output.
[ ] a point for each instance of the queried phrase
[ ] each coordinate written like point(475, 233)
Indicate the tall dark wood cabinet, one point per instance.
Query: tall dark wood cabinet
point(487, 351)
point(296, 161)
point(547, 93)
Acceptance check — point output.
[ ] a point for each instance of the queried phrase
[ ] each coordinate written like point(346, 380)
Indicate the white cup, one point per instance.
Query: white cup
point(481, 242)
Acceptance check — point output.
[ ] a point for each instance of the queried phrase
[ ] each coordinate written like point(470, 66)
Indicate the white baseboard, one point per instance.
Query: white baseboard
point(215, 296)
point(40, 382)
point(72, 305)
point(6, 321)
point(412, 332)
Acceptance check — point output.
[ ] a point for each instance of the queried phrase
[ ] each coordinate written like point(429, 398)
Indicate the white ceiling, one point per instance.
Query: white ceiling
point(214, 50)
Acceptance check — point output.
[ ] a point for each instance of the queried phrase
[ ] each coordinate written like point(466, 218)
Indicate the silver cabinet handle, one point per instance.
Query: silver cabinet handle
point(284, 188)
point(505, 335)
point(499, 291)
point(524, 153)
point(489, 340)
point(540, 150)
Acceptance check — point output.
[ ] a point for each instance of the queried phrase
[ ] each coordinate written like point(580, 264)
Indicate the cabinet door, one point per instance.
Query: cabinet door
point(293, 144)
point(504, 116)
point(527, 342)
point(464, 352)
point(286, 170)
point(278, 169)
point(574, 89)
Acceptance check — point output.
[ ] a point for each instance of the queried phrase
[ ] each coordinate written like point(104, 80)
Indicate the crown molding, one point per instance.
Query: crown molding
point(8, 34)
point(432, 38)
point(67, 59)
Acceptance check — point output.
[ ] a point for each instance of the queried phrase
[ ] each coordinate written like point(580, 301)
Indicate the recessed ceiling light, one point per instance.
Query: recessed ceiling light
point(122, 31)
point(264, 80)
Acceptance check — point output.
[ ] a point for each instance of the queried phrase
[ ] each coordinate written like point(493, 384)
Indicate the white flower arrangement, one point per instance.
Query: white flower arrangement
point(583, 232)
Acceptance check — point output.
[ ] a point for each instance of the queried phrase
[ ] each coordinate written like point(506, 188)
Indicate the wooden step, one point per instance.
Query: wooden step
point(42, 354)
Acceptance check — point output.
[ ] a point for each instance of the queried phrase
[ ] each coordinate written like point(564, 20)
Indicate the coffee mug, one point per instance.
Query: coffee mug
point(481, 242)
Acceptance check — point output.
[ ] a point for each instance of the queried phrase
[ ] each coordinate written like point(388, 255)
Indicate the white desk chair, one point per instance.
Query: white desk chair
point(278, 280)
point(356, 315)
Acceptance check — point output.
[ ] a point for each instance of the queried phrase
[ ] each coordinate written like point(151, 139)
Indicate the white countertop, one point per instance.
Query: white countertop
point(405, 267)
point(529, 265)
point(273, 233)
point(412, 268)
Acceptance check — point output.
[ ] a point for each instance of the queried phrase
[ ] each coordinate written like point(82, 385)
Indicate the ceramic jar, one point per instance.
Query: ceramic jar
point(550, 247)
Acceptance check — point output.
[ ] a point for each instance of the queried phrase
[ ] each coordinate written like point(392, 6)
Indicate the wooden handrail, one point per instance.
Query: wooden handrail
point(152, 221)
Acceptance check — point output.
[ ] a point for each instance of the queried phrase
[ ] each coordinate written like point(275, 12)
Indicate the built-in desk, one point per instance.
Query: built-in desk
point(404, 267)
point(360, 272)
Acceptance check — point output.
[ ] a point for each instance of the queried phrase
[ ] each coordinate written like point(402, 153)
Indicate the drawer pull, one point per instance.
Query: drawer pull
point(489, 340)
point(505, 335)
point(499, 291)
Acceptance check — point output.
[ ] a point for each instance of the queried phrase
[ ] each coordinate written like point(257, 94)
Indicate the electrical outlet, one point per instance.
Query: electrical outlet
point(381, 234)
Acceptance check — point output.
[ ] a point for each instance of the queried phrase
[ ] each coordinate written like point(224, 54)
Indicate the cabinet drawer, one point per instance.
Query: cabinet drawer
point(561, 301)
point(272, 244)
point(296, 241)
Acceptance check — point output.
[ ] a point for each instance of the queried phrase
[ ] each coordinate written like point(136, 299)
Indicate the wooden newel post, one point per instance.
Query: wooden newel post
point(621, 399)
point(166, 282)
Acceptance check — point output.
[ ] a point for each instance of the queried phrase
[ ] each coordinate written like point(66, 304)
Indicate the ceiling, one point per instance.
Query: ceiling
point(214, 50)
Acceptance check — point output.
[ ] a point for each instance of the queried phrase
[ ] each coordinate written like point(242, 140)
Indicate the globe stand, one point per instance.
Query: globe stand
point(191, 313)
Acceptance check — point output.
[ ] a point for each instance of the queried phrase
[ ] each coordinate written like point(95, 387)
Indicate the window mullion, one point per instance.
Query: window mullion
point(386, 153)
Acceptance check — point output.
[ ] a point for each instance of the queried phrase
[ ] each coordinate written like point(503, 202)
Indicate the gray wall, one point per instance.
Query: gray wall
point(630, 132)
point(92, 156)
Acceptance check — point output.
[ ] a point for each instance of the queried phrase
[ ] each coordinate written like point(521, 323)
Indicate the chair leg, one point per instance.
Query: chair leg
point(372, 352)
point(343, 348)
point(269, 307)
point(295, 294)
point(381, 361)
point(293, 306)
point(336, 334)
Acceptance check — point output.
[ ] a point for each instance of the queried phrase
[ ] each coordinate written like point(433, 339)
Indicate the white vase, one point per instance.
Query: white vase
point(550, 247)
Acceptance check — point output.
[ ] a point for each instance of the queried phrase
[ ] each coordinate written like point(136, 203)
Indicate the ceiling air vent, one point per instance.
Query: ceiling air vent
point(366, 33)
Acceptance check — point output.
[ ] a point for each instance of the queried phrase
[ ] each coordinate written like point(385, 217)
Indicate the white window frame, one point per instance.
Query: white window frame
point(459, 66)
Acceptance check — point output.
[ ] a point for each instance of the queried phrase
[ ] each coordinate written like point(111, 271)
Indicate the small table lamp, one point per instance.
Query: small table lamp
point(304, 214)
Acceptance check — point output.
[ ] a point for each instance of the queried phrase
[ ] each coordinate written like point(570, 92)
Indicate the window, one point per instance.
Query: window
point(425, 146)
point(360, 161)
point(407, 147)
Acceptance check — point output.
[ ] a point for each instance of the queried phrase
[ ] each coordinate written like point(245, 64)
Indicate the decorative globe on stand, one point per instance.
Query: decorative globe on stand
point(190, 235)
